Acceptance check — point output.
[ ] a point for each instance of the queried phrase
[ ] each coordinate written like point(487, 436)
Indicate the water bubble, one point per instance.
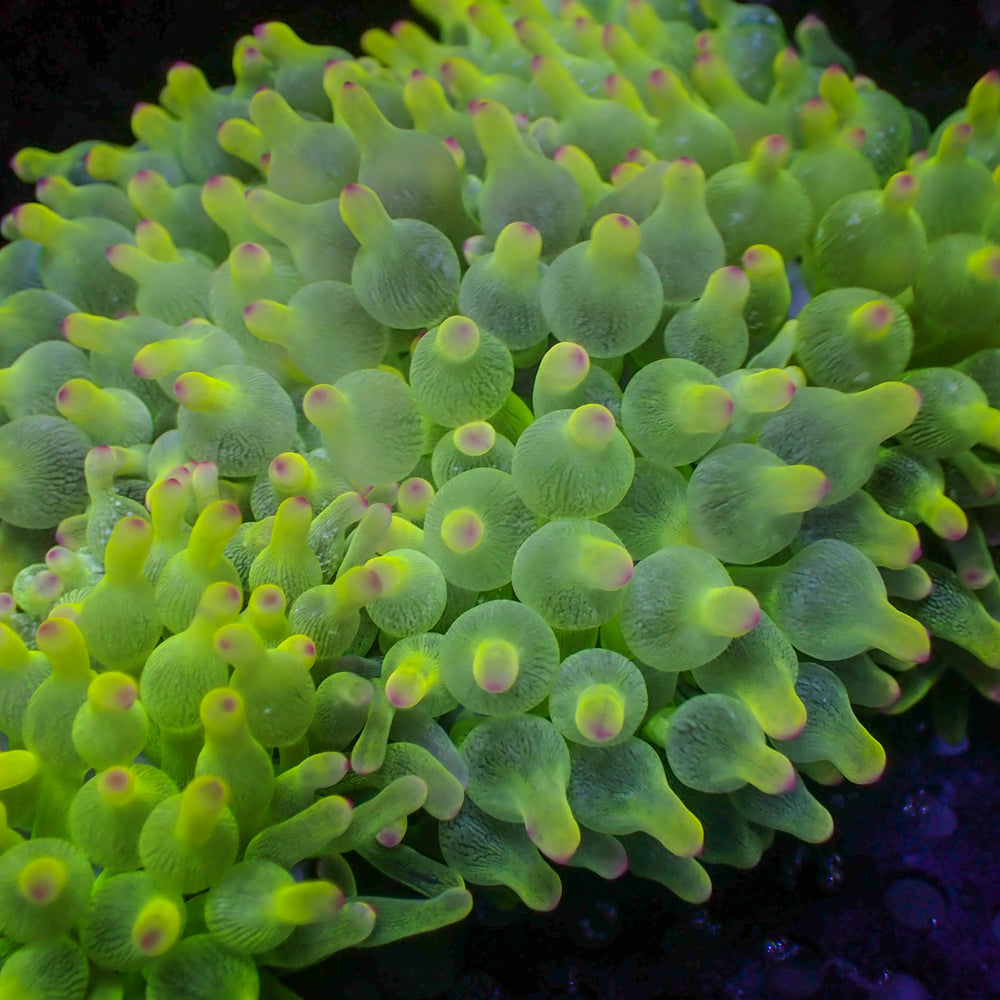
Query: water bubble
point(830, 876)
point(899, 986)
point(915, 804)
point(799, 972)
point(932, 817)
point(701, 920)
point(599, 926)
point(916, 903)
point(779, 949)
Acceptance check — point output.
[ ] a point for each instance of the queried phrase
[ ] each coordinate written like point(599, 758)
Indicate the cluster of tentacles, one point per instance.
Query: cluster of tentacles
point(422, 462)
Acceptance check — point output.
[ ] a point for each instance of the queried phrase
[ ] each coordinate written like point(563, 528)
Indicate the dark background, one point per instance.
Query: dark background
point(811, 921)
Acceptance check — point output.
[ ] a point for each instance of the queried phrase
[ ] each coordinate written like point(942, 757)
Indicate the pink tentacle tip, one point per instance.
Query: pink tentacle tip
point(494, 687)
point(600, 733)
point(776, 143)
point(117, 779)
point(270, 599)
point(975, 578)
point(398, 699)
point(607, 35)
point(537, 62)
point(126, 696)
point(417, 74)
point(389, 838)
point(49, 628)
point(791, 733)
point(924, 657)
point(181, 66)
